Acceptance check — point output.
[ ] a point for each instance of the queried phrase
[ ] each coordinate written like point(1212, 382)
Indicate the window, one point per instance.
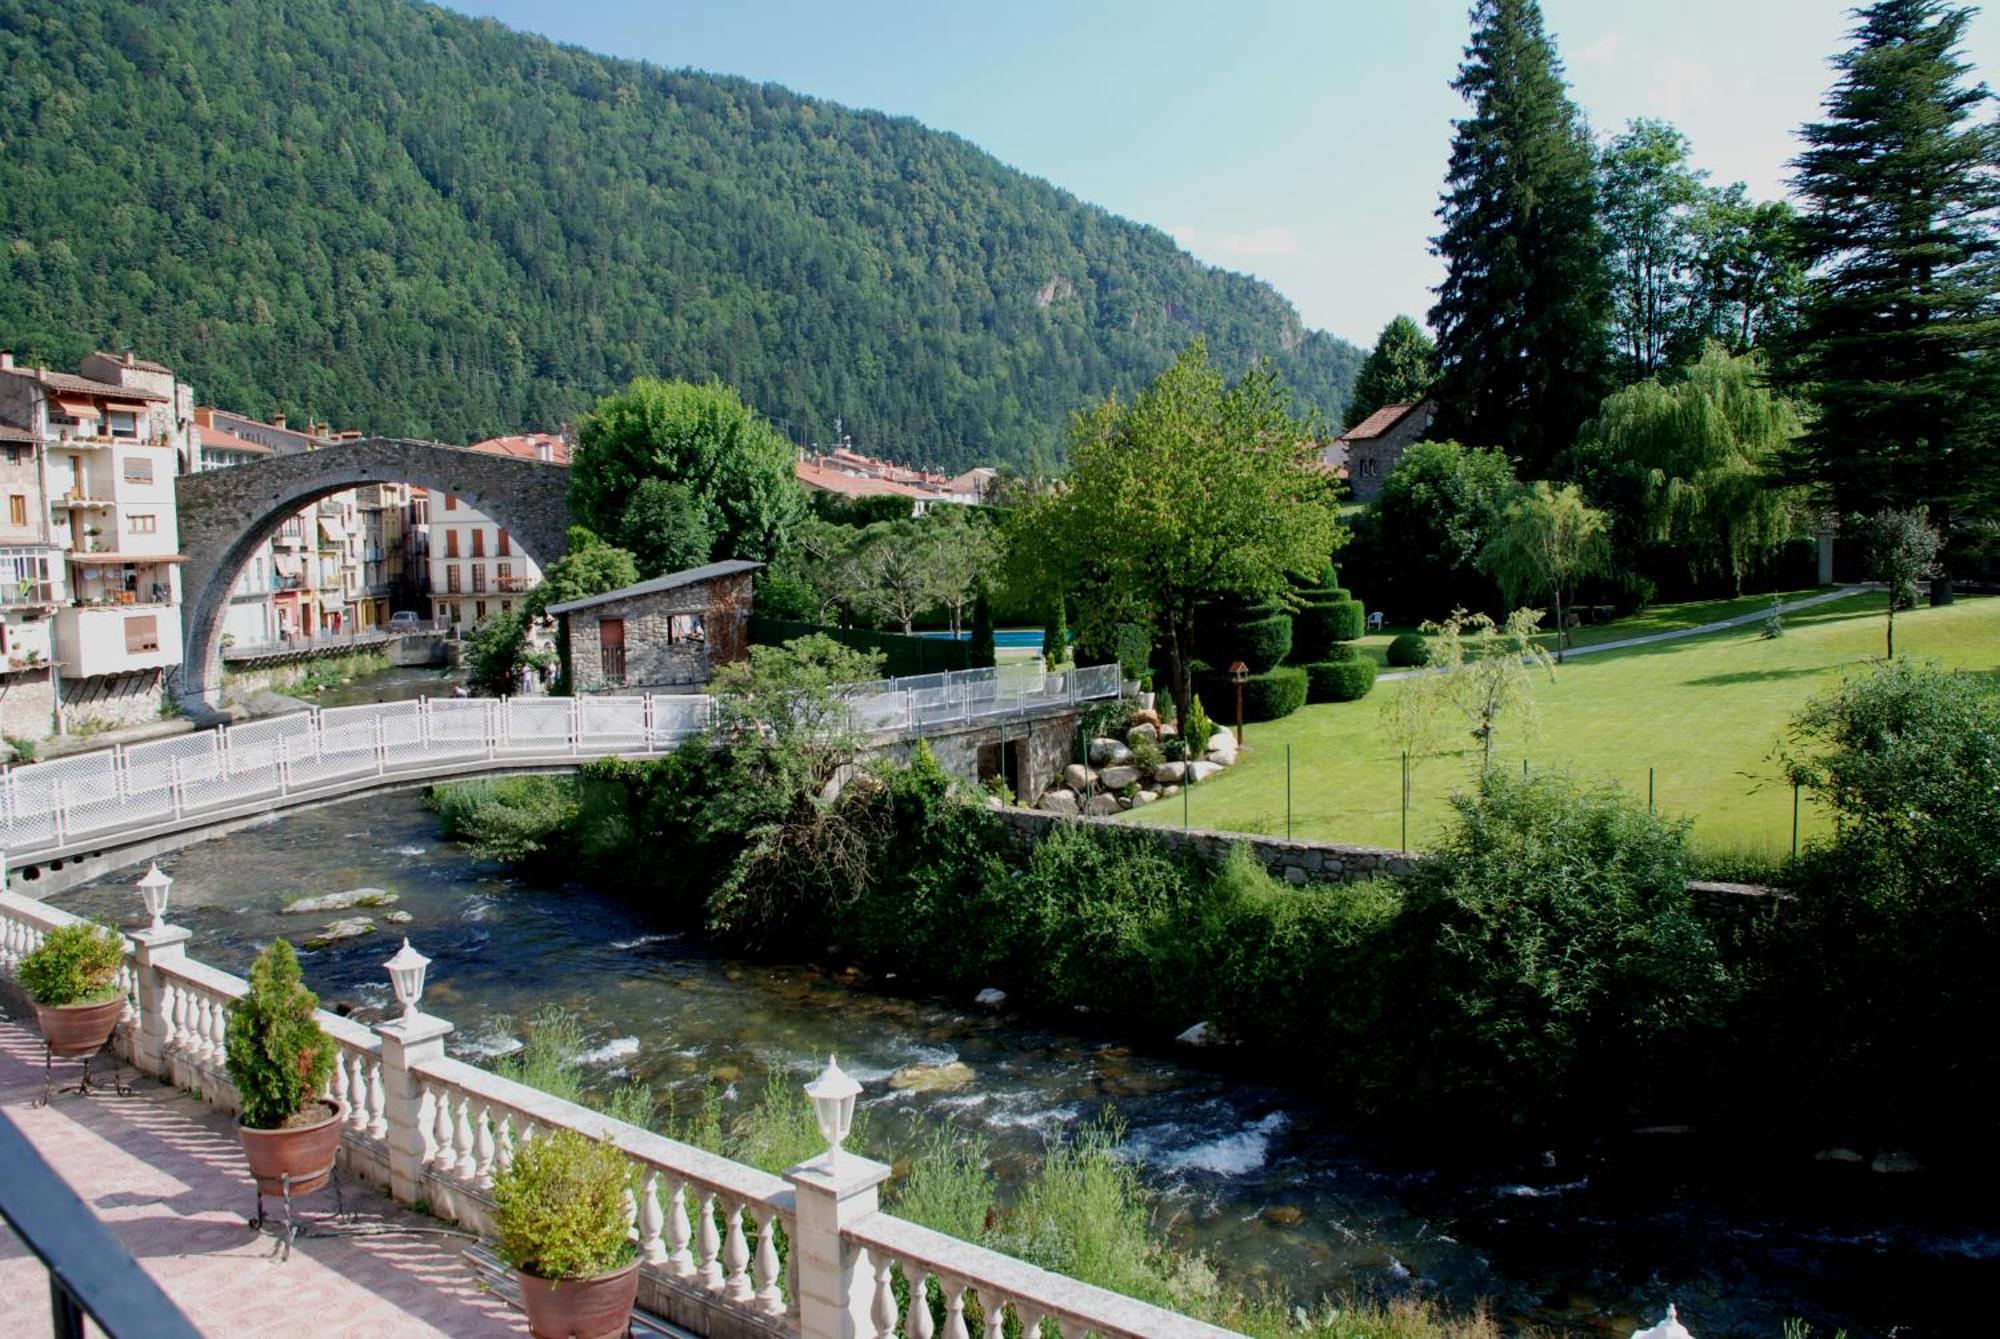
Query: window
point(18, 454)
point(503, 574)
point(147, 524)
point(479, 614)
point(478, 542)
point(451, 543)
point(138, 470)
point(124, 423)
point(17, 509)
point(611, 649)
point(506, 544)
point(142, 633)
point(451, 579)
point(479, 576)
point(506, 606)
point(686, 628)
point(450, 502)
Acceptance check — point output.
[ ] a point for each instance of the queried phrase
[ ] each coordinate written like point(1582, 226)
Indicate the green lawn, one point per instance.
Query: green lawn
point(1703, 711)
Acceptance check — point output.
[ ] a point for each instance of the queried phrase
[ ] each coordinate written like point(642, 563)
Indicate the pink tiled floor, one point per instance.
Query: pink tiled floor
point(165, 1171)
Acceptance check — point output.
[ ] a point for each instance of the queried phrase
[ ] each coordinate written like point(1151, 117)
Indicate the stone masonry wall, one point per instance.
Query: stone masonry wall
point(651, 660)
point(27, 705)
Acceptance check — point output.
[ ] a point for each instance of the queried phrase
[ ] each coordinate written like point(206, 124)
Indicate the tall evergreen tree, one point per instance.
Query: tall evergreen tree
point(1521, 315)
point(1898, 337)
point(1398, 370)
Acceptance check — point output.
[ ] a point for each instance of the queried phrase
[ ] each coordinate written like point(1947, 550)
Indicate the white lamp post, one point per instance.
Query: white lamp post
point(153, 890)
point(833, 1094)
point(406, 976)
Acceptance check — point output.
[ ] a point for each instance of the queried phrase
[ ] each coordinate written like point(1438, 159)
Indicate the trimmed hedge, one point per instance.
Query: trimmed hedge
point(1317, 628)
point(1261, 644)
point(1339, 680)
point(1269, 696)
point(1410, 650)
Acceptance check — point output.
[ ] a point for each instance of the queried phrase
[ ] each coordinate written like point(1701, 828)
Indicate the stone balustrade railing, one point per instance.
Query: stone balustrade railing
point(50, 805)
point(728, 1251)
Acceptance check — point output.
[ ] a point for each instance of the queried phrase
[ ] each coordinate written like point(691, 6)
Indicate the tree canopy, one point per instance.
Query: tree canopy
point(1547, 539)
point(1417, 545)
point(1398, 370)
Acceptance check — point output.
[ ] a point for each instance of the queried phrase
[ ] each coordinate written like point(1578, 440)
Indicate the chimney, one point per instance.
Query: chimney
point(277, 420)
point(128, 357)
point(204, 416)
point(6, 360)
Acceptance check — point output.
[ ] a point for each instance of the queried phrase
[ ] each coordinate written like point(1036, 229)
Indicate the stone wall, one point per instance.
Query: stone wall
point(1043, 746)
point(114, 700)
point(27, 703)
point(653, 660)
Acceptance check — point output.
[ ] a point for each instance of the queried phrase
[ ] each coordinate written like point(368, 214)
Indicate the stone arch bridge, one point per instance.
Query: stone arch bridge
point(226, 515)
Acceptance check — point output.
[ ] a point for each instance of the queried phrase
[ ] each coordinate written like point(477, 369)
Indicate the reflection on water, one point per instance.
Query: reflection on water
point(1275, 1190)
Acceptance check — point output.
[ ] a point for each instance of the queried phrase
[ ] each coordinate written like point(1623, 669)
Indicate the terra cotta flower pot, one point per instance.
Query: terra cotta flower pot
point(306, 1152)
point(599, 1307)
point(74, 1030)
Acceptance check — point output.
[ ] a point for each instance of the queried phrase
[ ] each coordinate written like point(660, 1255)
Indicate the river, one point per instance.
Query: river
point(1275, 1191)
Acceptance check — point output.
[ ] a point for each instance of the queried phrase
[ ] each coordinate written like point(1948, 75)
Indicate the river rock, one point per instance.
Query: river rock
point(1201, 771)
point(1145, 797)
point(1060, 802)
point(398, 917)
point(347, 927)
point(990, 998)
point(1201, 1034)
point(1078, 777)
point(1847, 1155)
point(1108, 752)
point(1284, 1215)
point(1101, 806)
point(946, 1078)
point(353, 897)
point(1895, 1162)
point(1222, 748)
point(1168, 792)
point(1168, 772)
point(1117, 778)
point(1149, 733)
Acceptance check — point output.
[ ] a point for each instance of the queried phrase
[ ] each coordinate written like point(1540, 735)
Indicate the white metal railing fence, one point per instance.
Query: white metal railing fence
point(49, 805)
point(724, 1247)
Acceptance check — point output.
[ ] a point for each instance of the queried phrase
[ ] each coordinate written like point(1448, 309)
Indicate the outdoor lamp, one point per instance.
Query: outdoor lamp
point(833, 1094)
point(154, 888)
point(406, 975)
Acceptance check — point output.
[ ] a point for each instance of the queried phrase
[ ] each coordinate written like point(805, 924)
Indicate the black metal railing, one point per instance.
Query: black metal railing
point(90, 1272)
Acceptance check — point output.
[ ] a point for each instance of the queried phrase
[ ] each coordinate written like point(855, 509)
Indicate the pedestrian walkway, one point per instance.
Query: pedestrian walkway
point(1700, 630)
point(165, 1172)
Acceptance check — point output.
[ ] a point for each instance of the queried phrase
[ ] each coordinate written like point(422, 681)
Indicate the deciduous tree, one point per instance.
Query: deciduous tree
point(1902, 548)
point(1547, 540)
point(1485, 670)
point(1398, 370)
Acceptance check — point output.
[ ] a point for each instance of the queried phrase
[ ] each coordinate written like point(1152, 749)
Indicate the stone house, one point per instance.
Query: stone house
point(1371, 448)
point(663, 635)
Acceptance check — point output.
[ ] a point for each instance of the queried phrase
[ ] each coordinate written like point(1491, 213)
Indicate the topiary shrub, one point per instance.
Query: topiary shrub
point(276, 1053)
point(74, 964)
point(1339, 680)
point(1269, 696)
point(559, 1207)
point(1349, 620)
point(1262, 644)
point(1410, 650)
point(1320, 626)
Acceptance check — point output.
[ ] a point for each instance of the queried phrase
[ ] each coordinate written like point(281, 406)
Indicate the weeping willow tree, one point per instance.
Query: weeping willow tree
point(1691, 461)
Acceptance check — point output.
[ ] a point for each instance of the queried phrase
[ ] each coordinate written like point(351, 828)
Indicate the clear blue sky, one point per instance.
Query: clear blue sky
point(1303, 142)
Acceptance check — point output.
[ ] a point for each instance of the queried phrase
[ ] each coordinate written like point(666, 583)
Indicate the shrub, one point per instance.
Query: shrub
point(22, 747)
point(276, 1053)
point(559, 1207)
point(74, 964)
point(1270, 696)
point(1410, 650)
point(1147, 755)
point(515, 818)
point(1339, 680)
point(1323, 624)
point(1196, 728)
point(1261, 643)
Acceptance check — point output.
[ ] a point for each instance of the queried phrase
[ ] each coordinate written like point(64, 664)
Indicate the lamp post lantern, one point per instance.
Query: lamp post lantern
point(153, 890)
point(833, 1094)
point(406, 977)
point(1240, 673)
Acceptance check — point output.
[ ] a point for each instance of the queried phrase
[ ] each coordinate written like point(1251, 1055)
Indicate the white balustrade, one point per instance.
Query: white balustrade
point(46, 806)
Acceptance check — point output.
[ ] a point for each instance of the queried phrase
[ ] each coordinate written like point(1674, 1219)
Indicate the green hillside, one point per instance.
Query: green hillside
point(403, 220)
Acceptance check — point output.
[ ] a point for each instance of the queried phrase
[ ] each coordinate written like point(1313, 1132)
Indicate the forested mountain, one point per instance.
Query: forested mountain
point(400, 219)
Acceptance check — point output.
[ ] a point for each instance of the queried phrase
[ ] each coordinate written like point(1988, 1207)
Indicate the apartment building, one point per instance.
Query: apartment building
point(91, 533)
point(476, 571)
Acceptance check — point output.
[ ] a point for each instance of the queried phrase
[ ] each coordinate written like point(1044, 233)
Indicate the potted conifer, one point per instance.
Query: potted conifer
point(72, 977)
point(560, 1210)
point(280, 1059)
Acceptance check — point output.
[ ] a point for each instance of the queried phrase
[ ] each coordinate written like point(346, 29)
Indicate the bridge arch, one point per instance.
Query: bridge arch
point(226, 515)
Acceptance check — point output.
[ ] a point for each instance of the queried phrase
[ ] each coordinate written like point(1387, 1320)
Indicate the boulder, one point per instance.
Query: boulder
point(1201, 1034)
point(1061, 802)
point(990, 998)
point(1222, 748)
point(398, 917)
point(1145, 797)
point(353, 897)
point(1146, 716)
point(1895, 1162)
point(1117, 778)
point(1149, 733)
point(1202, 771)
point(347, 927)
point(1107, 752)
point(1838, 1155)
point(1102, 805)
point(1170, 771)
point(945, 1078)
point(1078, 777)
point(1284, 1215)
point(1167, 792)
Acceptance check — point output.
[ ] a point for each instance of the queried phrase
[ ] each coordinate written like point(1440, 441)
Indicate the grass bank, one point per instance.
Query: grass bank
point(307, 678)
point(1703, 712)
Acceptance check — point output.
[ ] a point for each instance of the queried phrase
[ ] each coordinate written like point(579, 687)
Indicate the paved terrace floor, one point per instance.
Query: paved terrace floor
point(165, 1172)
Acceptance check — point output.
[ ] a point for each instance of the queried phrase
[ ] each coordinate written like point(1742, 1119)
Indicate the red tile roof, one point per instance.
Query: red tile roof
point(528, 446)
point(1379, 422)
point(226, 441)
point(829, 480)
point(14, 432)
point(138, 364)
point(65, 384)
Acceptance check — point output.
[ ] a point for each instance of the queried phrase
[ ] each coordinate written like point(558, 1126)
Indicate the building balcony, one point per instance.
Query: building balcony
point(30, 594)
point(117, 639)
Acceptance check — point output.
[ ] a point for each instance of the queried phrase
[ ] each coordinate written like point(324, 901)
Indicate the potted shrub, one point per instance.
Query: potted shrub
point(560, 1210)
point(280, 1059)
point(73, 980)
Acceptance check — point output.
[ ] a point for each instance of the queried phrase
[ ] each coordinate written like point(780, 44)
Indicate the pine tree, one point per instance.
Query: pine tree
point(1895, 342)
point(1521, 316)
point(1398, 370)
